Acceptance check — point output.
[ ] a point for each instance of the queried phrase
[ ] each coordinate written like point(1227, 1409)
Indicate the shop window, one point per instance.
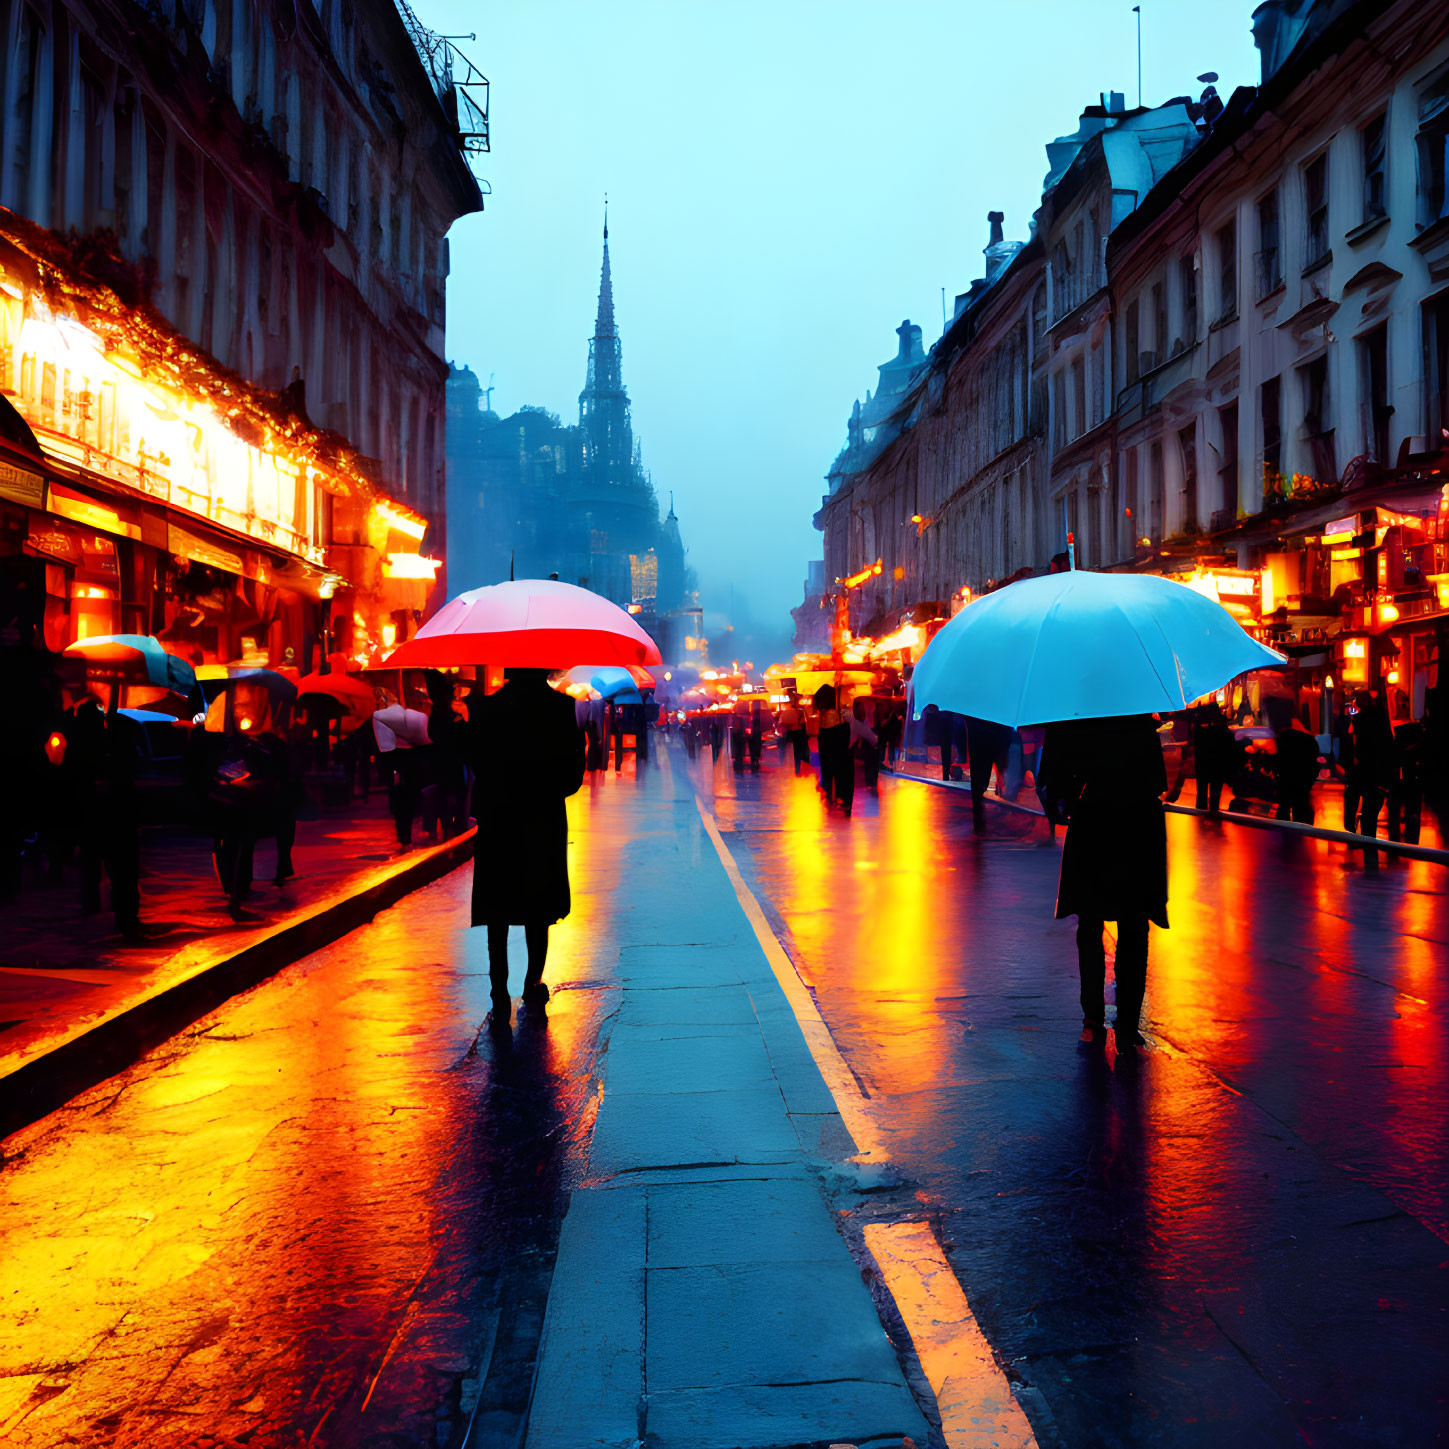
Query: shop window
point(1375, 174)
point(1187, 449)
point(1436, 371)
point(1270, 250)
point(1374, 378)
point(1432, 145)
point(1155, 493)
point(1315, 200)
point(1227, 510)
point(1187, 274)
point(1270, 398)
point(1226, 242)
point(1131, 508)
point(1317, 431)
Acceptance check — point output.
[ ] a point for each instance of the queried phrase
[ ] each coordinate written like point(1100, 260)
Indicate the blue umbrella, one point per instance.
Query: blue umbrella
point(133, 659)
point(1080, 645)
point(613, 682)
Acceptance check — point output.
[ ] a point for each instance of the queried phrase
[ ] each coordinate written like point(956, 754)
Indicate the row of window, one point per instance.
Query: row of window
point(1150, 337)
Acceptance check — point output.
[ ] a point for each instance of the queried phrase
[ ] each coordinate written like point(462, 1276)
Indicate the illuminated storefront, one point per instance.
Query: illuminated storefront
point(153, 492)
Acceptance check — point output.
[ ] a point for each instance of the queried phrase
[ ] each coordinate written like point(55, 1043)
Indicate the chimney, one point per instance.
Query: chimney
point(995, 218)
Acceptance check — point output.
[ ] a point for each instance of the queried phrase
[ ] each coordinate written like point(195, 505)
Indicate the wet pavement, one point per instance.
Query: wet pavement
point(324, 1215)
point(1243, 1236)
point(328, 1213)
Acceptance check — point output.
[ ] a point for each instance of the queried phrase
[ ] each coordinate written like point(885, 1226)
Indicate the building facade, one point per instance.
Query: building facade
point(1223, 354)
point(221, 329)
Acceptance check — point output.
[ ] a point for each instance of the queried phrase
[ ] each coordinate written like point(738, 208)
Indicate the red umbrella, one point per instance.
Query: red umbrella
point(527, 624)
point(355, 697)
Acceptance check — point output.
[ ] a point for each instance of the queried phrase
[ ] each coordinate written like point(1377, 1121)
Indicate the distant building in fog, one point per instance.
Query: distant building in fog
point(529, 494)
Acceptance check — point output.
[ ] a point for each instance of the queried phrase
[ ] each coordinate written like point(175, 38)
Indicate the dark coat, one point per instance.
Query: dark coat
point(1214, 750)
point(1111, 775)
point(527, 752)
point(1296, 761)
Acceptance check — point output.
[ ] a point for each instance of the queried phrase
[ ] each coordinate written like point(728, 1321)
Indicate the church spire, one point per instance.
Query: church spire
point(604, 403)
point(604, 322)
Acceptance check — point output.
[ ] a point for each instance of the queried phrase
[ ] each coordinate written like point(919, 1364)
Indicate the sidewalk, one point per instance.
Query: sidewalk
point(703, 1296)
point(77, 1002)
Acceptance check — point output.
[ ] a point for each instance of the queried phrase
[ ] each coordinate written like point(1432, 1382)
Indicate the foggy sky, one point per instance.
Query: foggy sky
point(787, 181)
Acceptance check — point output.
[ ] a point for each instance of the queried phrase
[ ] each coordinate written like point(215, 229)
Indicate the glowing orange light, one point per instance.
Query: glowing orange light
point(1328, 681)
point(1355, 649)
point(1393, 676)
point(1388, 613)
point(410, 566)
point(854, 581)
point(389, 635)
point(244, 723)
point(55, 748)
point(402, 522)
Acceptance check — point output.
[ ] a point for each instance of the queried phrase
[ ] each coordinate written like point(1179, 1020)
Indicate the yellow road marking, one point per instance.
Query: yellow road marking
point(978, 1409)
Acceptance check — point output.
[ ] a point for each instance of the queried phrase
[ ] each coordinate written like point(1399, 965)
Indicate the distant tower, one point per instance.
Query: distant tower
point(604, 404)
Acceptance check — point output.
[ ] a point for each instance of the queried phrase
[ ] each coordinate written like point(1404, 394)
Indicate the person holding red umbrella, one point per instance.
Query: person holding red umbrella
point(525, 747)
point(527, 753)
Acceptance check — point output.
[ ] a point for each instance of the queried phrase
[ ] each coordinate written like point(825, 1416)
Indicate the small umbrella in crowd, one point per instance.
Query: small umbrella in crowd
point(355, 698)
point(1080, 645)
point(399, 728)
point(133, 659)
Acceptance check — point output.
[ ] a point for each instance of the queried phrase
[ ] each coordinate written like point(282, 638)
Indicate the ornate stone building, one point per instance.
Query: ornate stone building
point(1223, 354)
point(221, 335)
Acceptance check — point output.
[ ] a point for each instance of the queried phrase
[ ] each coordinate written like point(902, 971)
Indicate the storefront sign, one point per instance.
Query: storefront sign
point(1340, 526)
point(22, 487)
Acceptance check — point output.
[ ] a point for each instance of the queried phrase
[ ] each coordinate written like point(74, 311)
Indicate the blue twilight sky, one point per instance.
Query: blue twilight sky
point(787, 180)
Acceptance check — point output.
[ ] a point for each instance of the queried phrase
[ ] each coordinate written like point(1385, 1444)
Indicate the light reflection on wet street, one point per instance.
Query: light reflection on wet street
point(1243, 1234)
point(321, 1215)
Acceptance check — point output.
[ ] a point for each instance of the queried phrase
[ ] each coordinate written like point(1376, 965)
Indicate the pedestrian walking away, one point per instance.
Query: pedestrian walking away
point(864, 744)
point(1213, 754)
point(1109, 777)
point(527, 755)
point(987, 745)
point(755, 734)
point(1296, 765)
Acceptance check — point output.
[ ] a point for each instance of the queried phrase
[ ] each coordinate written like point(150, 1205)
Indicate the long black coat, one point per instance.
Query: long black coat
point(527, 752)
point(1111, 775)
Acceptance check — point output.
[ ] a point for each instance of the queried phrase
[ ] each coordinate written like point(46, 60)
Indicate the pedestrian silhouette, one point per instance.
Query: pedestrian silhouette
point(105, 752)
point(1109, 776)
point(527, 753)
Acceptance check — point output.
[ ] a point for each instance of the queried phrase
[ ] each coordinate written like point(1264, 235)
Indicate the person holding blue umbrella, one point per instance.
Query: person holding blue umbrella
point(1107, 778)
point(1095, 657)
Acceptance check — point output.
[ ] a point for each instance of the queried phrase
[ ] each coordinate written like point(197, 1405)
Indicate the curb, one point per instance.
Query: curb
point(50, 1080)
point(1230, 817)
